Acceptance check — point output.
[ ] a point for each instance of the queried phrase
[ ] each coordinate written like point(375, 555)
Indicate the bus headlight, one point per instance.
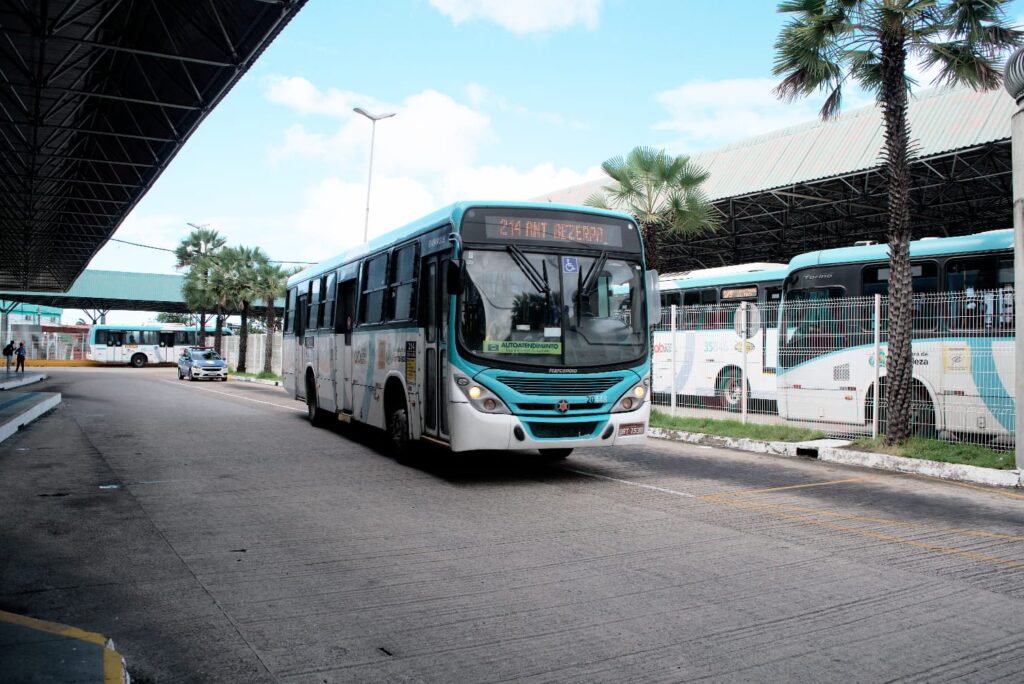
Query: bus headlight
point(480, 397)
point(632, 399)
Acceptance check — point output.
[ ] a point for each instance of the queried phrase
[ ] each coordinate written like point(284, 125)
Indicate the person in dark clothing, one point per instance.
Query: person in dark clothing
point(20, 353)
point(8, 353)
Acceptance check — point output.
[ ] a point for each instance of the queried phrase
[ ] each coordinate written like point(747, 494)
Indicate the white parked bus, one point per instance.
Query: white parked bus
point(482, 326)
point(706, 348)
point(140, 344)
point(963, 335)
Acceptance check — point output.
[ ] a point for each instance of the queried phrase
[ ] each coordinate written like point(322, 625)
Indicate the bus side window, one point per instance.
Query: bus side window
point(980, 293)
point(312, 321)
point(374, 284)
point(671, 298)
point(289, 311)
point(402, 291)
point(101, 337)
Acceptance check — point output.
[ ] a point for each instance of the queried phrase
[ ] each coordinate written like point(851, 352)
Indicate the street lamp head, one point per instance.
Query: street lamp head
point(372, 117)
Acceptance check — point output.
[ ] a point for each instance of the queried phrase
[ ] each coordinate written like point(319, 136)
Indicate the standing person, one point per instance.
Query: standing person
point(20, 353)
point(8, 353)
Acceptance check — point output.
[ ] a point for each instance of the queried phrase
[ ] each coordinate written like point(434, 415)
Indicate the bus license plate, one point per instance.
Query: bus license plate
point(631, 429)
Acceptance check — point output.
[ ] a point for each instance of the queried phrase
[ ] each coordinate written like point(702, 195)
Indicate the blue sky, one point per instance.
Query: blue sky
point(494, 99)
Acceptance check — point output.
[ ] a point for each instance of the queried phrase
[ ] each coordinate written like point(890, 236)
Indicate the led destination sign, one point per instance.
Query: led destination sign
point(545, 229)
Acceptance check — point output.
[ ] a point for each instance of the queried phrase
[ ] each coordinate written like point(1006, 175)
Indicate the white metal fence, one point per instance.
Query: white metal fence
point(255, 349)
point(52, 346)
point(818, 364)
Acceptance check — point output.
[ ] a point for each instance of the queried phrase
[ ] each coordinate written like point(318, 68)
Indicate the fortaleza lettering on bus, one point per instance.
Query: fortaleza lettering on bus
point(518, 347)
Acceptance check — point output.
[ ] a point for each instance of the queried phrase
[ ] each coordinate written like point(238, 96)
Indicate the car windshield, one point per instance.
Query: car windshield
point(205, 356)
point(552, 310)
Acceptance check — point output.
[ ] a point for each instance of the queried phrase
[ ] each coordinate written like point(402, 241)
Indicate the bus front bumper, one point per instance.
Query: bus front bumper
point(473, 430)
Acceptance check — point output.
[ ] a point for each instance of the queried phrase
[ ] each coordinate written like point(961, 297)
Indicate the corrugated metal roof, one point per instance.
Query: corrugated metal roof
point(941, 120)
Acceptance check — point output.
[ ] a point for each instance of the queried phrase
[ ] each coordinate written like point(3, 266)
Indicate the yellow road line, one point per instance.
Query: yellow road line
point(936, 548)
point(990, 490)
point(53, 628)
point(762, 490)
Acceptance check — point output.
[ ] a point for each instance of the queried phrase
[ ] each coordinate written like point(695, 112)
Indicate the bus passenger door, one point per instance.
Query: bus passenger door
point(345, 316)
point(165, 350)
point(301, 317)
point(435, 353)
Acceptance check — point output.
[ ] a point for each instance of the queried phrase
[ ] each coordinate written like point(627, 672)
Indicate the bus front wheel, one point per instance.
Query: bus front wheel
point(138, 360)
point(555, 454)
point(398, 433)
point(317, 416)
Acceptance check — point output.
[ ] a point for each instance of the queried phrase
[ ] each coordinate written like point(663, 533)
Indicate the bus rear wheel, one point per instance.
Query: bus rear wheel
point(729, 389)
point(555, 454)
point(138, 360)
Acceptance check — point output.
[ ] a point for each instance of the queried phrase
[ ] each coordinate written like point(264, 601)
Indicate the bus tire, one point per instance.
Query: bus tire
point(729, 388)
point(398, 434)
point(317, 416)
point(138, 360)
point(555, 454)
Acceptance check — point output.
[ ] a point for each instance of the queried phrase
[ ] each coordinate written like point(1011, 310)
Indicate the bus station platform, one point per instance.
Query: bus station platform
point(12, 380)
point(21, 408)
point(38, 651)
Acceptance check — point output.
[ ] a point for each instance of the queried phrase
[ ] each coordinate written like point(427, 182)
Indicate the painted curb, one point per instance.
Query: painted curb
point(258, 381)
point(114, 667)
point(8, 429)
point(11, 384)
point(832, 451)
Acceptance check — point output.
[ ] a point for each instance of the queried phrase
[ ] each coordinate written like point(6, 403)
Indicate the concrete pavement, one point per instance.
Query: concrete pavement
point(216, 536)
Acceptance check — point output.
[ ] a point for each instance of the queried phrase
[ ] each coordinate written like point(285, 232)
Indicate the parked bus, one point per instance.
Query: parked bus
point(140, 344)
point(481, 326)
point(963, 335)
point(709, 349)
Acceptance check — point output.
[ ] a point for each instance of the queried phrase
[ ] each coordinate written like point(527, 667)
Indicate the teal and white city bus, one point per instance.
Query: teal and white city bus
point(139, 345)
point(707, 348)
point(490, 325)
point(963, 335)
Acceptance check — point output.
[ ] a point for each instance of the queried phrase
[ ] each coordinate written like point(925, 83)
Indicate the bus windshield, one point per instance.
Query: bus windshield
point(547, 310)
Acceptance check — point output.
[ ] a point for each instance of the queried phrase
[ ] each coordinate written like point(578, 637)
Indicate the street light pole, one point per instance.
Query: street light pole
point(374, 118)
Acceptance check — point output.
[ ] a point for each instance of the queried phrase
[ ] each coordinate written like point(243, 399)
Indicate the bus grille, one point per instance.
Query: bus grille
point(562, 430)
point(559, 387)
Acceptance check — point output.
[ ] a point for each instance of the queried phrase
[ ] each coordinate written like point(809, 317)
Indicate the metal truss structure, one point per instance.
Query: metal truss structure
point(954, 193)
point(96, 98)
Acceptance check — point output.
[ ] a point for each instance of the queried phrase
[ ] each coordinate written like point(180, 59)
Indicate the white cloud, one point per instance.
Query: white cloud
point(707, 114)
point(508, 183)
point(299, 94)
point(429, 133)
point(523, 16)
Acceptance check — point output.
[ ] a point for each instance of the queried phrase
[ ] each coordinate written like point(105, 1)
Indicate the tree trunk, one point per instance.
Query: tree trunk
point(649, 232)
point(201, 329)
point(219, 329)
point(268, 349)
point(898, 363)
point(243, 340)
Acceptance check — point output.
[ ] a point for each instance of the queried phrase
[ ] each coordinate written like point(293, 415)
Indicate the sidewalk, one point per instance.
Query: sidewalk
point(12, 380)
point(38, 651)
point(18, 409)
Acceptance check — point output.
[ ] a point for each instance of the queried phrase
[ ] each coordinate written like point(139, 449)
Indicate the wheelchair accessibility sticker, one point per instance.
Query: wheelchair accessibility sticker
point(570, 264)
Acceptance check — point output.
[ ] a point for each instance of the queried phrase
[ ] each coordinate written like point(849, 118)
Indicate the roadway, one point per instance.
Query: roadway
point(216, 536)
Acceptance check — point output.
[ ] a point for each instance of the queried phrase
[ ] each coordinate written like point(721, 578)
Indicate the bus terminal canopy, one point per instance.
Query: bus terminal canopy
point(96, 98)
point(820, 185)
point(120, 291)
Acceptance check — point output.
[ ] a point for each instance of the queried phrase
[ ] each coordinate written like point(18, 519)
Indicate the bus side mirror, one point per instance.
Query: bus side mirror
point(454, 277)
point(653, 298)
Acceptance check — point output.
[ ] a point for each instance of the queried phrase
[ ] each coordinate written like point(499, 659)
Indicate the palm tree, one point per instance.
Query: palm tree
point(662, 193)
point(222, 289)
point(271, 280)
point(196, 252)
point(829, 44)
point(246, 262)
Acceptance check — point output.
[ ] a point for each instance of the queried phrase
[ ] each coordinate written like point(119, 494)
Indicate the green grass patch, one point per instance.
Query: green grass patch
point(946, 452)
point(734, 428)
point(262, 375)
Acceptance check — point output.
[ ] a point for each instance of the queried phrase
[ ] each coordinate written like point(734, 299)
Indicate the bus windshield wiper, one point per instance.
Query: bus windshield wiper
point(595, 269)
point(540, 283)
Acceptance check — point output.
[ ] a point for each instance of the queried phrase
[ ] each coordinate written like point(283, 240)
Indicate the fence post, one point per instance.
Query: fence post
point(672, 401)
point(878, 364)
point(743, 342)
